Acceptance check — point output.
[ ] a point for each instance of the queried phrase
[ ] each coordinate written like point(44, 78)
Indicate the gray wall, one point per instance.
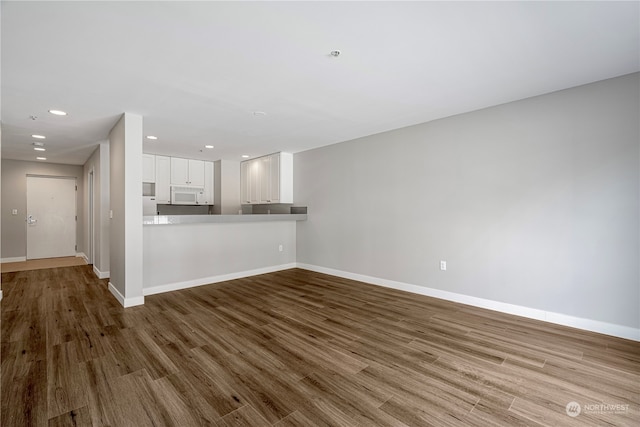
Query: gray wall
point(227, 187)
point(14, 196)
point(533, 203)
point(185, 255)
point(99, 164)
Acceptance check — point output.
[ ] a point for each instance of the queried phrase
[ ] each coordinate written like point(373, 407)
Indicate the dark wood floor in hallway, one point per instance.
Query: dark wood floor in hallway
point(296, 348)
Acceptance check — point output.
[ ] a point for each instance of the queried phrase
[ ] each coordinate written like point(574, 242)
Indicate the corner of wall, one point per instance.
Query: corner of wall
point(125, 302)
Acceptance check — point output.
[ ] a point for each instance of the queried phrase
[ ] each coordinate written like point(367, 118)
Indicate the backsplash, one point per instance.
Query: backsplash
point(183, 209)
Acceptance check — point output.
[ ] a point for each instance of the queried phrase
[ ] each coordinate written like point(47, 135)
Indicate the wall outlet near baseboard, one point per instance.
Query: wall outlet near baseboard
point(443, 265)
point(280, 248)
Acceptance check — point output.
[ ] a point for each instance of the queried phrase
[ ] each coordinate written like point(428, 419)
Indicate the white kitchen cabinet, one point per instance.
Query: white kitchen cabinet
point(163, 180)
point(148, 168)
point(250, 181)
point(250, 173)
point(255, 177)
point(267, 179)
point(196, 173)
point(275, 178)
point(187, 172)
point(245, 189)
point(208, 184)
point(179, 171)
point(285, 175)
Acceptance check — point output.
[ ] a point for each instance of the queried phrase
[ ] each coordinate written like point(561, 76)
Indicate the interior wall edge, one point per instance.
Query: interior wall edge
point(125, 302)
point(100, 274)
point(83, 256)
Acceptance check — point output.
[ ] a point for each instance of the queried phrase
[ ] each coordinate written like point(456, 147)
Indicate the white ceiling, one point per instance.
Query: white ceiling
point(196, 71)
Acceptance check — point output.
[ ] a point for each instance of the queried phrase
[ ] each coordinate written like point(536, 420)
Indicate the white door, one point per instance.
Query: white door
point(51, 217)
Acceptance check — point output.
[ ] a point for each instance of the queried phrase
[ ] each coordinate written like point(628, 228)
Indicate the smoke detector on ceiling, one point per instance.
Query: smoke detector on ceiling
point(335, 53)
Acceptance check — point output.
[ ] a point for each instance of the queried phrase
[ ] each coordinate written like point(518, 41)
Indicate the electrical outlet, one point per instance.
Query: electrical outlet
point(14, 212)
point(443, 265)
point(280, 248)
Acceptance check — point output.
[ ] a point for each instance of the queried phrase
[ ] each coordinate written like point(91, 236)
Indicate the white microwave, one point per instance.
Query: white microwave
point(186, 195)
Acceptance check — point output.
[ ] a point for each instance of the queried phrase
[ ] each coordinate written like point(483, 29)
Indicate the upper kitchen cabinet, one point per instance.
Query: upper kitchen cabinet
point(187, 172)
point(163, 180)
point(174, 171)
point(208, 184)
point(267, 179)
point(250, 174)
point(148, 168)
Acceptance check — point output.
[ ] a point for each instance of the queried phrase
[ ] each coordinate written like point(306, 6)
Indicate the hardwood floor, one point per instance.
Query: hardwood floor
point(37, 264)
point(295, 348)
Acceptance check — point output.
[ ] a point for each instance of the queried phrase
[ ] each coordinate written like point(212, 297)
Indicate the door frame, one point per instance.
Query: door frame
point(91, 218)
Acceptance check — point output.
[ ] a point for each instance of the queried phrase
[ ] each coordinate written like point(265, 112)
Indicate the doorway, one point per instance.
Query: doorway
point(51, 217)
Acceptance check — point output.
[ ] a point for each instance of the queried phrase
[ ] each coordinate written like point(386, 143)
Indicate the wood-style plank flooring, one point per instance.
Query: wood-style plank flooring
point(37, 264)
point(295, 348)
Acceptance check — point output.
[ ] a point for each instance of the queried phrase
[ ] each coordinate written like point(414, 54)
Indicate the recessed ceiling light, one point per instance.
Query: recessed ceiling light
point(41, 158)
point(39, 148)
point(208, 146)
point(38, 136)
point(58, 112)
point(259, 113)
point(245, 156)
point(152, 137)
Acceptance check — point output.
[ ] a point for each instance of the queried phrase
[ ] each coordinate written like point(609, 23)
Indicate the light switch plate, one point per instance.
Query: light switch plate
point(14, 212)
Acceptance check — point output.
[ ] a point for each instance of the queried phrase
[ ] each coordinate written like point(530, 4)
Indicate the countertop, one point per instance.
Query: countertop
point(216, 219)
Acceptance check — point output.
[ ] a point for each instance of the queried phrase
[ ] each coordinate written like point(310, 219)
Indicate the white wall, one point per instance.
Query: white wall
point(99, 164)
point(181, 256)
point(533, 203)
point(14, 196)
point(125, 196)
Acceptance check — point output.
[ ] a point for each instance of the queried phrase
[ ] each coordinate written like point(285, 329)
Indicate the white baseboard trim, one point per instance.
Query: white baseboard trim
point(82, 255)
point(14, 259)
point(125, 302)
point(612, 329)
point(215, 279)
point(100, 274)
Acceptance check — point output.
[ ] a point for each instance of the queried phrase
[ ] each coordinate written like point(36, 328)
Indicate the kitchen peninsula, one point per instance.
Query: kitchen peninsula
point(217, 221)
point(182, 251)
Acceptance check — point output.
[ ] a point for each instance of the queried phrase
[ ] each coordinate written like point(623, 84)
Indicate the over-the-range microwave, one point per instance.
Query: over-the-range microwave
point(186, 195)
